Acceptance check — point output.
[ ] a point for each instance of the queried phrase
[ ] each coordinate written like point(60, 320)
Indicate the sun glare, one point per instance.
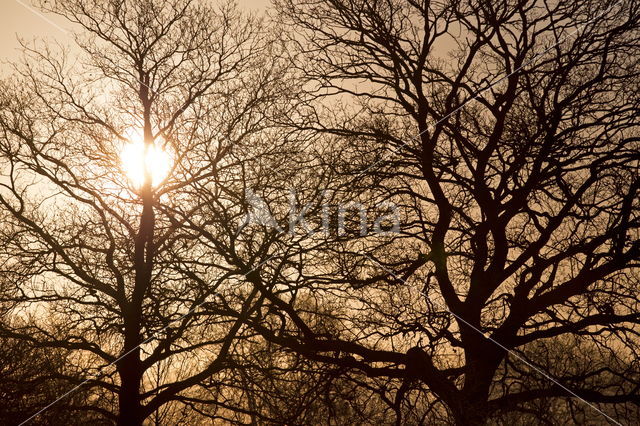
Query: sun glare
point(134, 159)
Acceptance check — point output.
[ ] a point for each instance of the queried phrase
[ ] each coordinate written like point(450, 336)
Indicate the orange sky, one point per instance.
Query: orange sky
point(16, 18)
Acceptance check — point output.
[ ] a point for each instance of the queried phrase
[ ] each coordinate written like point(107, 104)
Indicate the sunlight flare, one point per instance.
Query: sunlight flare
point(134, 158)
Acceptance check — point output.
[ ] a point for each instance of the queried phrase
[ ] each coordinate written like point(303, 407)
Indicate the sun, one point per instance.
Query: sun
point(134, 158)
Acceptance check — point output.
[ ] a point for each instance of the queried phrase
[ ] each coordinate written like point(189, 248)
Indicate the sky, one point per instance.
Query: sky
point(19, 18)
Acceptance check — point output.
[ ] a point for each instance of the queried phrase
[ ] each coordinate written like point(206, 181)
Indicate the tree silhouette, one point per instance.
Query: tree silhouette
point(107, 269)
point(508, 133)
point(376, 211)
point(30, 379)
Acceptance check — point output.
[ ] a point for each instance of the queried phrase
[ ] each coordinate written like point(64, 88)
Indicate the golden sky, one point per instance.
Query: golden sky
point(18, 18)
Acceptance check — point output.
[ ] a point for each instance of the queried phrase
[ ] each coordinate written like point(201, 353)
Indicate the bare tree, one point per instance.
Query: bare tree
point(32, 377)
point(505, 134)
point(99, 261)
point(508, 134)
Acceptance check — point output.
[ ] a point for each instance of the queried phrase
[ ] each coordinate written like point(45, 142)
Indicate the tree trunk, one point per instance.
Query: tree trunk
point(131, 370)
point(470, 416)
point(472, 408)
point(130, 409)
